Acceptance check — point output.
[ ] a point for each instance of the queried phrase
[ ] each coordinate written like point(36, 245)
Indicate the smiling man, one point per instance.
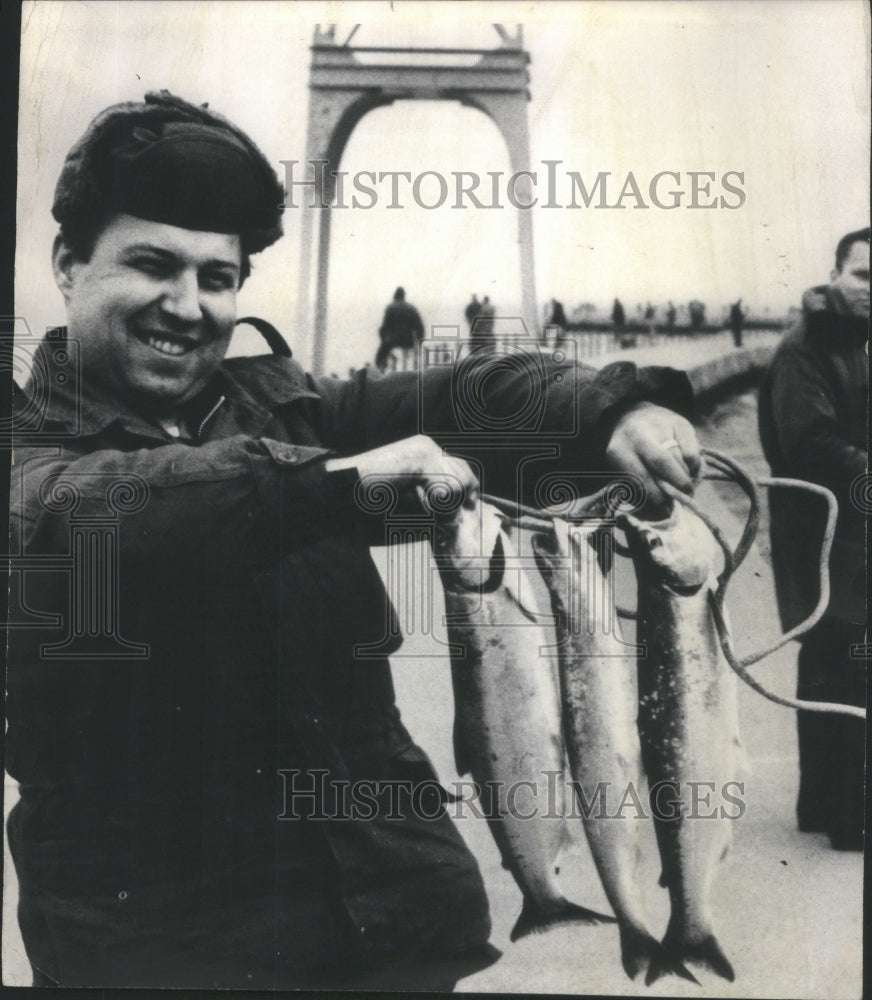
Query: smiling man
point(158, 303)
point(155, 840)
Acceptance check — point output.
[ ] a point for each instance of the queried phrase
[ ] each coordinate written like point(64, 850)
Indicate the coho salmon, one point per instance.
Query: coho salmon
point(600, 701)
point(507, 731)
point(688, 723)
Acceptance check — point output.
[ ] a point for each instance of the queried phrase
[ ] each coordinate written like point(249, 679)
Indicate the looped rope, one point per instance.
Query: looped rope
point(731, 471)
point(723, 469)
point(729, 559)
point(733, 560)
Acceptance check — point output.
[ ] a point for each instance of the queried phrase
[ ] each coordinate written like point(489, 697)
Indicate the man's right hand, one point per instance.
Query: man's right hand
point(412, 462)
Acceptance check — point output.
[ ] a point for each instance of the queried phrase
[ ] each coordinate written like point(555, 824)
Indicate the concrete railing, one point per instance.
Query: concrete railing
point(710, 359)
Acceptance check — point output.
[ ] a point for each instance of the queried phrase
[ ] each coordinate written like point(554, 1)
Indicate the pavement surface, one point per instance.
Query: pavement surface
point(788, 909)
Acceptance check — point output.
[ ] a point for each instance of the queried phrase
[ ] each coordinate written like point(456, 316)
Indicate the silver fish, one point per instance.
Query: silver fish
point(688, 723)
point(507, 708)
point(598, 682)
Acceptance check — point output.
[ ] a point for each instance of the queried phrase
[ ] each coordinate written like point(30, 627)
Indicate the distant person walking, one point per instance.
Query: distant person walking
point(671, 313)
point(401, 327)
point(619, 317)
point(558, 316)
point(737, 322)
point(696, 311)
point(557, 319)
point(619, 320)
point(472, 310)
point(481, 334)
point(650, 317)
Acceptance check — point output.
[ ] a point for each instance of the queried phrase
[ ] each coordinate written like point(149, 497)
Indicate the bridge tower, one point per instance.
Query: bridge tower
point(344, 88)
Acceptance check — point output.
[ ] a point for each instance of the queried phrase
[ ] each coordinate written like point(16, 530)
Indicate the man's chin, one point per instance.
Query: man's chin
point(163, 397)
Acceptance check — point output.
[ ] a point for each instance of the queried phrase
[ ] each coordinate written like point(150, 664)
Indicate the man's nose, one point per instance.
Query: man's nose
point(182, 297)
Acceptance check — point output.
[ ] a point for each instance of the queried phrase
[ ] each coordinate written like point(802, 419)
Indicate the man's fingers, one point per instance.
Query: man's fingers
point(667, 464)
point(688, 445)
point(448, 484)
point(626, 459)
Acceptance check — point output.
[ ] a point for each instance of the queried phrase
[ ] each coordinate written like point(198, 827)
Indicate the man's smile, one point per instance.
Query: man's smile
point(167, 344)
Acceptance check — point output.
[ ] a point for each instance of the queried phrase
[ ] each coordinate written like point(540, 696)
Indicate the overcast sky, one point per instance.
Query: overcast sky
point(776, 91)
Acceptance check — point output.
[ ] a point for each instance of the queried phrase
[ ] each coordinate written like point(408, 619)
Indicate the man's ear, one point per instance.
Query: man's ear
point(834, 274)
point(62, 262)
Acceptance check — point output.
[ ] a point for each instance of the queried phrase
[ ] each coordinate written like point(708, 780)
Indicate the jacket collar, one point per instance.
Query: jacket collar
point(826, 298)
point(826, 314)
point(255, 385)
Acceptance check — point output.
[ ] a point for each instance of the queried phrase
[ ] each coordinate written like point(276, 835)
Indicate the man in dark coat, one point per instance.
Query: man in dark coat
point(812, 412)
point(557, 319)
point(737, 322)
point(473, 308)
point(186, 701)
point(401, 327)
point(619, 319)
point(481, 333)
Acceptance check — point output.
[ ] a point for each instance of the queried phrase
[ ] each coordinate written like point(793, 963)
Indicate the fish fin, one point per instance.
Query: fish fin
point(642, 952)
point(706, 952)
point(536, 918)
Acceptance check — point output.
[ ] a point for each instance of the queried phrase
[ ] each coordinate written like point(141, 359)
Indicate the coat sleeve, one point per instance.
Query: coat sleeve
point(249, 495)
point(809, 436)
point(496, 399)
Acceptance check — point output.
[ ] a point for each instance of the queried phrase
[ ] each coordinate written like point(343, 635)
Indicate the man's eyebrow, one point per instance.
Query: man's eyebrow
point(160, 251)
point(231, 265)
point(149, 248)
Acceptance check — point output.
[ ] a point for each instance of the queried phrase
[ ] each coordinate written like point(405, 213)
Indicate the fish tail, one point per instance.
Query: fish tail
point(537, 917)
point(642, 952)
point(706, 952)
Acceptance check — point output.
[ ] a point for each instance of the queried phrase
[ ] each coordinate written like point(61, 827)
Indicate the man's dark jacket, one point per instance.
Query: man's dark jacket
point(813, 426)
point(402, 325)
point(148, 840)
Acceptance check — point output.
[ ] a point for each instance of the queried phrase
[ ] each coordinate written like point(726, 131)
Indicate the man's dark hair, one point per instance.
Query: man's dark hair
point(82, 204)
point(846, 242)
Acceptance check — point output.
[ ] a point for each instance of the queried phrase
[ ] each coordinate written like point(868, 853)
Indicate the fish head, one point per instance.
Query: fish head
point(552, 548)
point(679, 552)
point(561, 547)
point(466, 541)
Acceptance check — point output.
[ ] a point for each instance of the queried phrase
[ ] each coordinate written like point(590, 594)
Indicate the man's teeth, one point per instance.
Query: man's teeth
point(168, 346)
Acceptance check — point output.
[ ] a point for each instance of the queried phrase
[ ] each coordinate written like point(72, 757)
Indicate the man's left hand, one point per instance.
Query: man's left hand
point(655, 444)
